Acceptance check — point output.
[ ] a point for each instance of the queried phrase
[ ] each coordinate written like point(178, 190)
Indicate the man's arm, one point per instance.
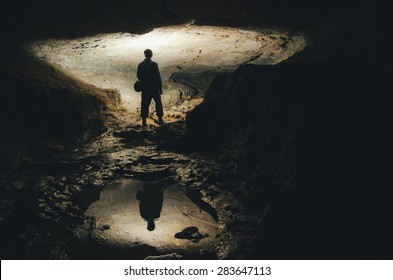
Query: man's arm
point(138, 72)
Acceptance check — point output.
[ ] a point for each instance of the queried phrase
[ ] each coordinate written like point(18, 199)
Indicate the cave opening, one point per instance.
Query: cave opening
point(189, 58)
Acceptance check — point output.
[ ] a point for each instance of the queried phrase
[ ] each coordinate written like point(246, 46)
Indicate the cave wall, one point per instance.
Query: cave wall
point(28, 107)
point(39, 101)
point(45, 114)
point(45, 117)
point(312, 136)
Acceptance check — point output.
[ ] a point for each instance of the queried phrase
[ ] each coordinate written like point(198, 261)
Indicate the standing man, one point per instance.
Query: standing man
point(149, 76)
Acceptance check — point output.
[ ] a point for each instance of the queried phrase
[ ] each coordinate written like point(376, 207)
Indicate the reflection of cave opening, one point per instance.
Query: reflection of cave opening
point(188, 56)
point(121, 211)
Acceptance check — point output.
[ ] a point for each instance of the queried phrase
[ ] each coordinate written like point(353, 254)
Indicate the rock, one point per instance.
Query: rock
point(208, 254)
point(18, 185)
point(106, 227)
point(191, 233)
point(53, 145)
point(96, 238)
point(172, 256)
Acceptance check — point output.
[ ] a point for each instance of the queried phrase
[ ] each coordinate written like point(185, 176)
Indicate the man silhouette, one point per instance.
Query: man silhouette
point(150, 203)
point(149, 76)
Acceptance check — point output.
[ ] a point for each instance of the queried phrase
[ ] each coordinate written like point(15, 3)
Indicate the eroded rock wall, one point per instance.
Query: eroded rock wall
point(43, 112)
point(312, 134)
point(39, 98)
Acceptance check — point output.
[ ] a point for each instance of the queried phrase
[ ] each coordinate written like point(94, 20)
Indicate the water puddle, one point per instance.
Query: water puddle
point(131, 219)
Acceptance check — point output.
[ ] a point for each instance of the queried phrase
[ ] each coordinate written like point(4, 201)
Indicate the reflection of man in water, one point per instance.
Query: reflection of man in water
point(150, 203)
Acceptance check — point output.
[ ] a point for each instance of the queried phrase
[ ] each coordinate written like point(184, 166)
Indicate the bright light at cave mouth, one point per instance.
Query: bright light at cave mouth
point(189, 57)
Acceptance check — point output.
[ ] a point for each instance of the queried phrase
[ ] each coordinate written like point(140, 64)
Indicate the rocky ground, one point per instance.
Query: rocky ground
point(44, 202)
point(49, 215)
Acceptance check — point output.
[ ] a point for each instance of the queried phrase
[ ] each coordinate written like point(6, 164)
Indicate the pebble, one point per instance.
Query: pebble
point(18, 185)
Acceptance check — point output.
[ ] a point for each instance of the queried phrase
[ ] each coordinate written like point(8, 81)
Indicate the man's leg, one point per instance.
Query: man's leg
point(159, 110)
point(146, 99)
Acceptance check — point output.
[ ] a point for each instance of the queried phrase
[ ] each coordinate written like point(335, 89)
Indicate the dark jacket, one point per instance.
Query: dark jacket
point(149, 75)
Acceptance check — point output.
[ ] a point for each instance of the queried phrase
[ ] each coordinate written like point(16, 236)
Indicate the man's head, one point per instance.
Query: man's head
point(151, 225)
point(148, 53)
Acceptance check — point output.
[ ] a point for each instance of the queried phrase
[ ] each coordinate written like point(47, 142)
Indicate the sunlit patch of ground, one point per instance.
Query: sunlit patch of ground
point(189, 57)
